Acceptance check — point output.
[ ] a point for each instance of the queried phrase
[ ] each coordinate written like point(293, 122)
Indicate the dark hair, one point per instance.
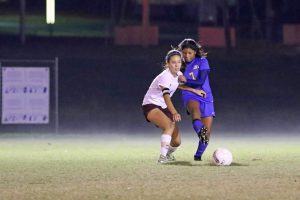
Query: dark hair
point(192, 44)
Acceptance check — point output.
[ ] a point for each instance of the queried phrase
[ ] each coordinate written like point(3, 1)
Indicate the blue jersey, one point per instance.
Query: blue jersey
point(196, 73)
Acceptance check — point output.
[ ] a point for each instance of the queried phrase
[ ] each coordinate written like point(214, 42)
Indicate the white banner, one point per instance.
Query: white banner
point(25, 95)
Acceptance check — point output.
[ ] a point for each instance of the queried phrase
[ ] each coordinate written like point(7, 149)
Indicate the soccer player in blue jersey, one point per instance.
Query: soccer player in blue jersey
point(201, 108)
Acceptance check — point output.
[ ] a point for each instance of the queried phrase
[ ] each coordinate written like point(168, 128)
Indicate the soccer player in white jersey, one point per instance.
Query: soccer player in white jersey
point(159, 109)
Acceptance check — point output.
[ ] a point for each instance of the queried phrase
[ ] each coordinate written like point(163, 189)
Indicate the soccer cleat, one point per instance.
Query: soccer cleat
point(203, 135)
point(171, 157)
point(197, 158)
point(162, 159)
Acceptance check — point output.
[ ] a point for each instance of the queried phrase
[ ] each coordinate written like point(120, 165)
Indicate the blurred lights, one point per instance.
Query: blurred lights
point(50, 11)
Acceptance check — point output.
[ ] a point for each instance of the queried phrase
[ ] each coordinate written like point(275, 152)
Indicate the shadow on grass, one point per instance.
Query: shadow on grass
point(232, 164)
point(181, 163)
point(191, 164)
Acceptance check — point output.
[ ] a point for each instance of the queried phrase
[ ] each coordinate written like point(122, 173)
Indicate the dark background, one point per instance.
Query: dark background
point(255, 86)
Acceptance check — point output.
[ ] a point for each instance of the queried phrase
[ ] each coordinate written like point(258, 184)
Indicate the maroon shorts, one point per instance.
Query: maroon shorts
point(148, 107)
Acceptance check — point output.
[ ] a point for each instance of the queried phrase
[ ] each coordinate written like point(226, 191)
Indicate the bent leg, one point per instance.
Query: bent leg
point(176, 137)
point(200, 128)
point(175, 143)
point(194, 109)
point(160, 119)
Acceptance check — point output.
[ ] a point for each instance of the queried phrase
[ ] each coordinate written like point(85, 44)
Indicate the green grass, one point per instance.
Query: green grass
point(124, 167)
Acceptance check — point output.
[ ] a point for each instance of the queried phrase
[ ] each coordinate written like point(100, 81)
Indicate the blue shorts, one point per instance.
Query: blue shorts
point(206, 107)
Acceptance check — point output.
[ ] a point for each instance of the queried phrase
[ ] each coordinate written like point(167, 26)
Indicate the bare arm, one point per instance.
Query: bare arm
point(196, 91)
point(170, 105)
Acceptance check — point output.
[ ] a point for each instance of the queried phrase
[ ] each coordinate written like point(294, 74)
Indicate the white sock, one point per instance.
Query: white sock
point(171, 150)
point(164, 144)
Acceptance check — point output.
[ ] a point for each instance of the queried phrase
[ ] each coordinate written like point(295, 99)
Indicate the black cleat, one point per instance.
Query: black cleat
point(197, 158)
point(203, 135)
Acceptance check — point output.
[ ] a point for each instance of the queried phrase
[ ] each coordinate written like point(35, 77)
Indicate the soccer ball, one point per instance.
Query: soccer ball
point(222, 156)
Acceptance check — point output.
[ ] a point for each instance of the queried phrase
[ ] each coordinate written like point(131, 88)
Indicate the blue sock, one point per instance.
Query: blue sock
point(201, 148)
point(197, 125)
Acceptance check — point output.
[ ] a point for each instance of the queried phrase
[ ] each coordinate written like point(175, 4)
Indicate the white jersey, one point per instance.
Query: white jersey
point(154, 94)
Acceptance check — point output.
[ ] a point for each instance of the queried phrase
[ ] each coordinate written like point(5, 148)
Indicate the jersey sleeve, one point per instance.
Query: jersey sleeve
point(204, 64)
point(202, 75)
point(179, 73)
point(163, 81)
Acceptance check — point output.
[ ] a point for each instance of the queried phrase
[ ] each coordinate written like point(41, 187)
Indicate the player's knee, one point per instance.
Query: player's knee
point(196, 115)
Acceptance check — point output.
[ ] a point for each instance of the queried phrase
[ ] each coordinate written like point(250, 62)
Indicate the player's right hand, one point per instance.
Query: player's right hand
point(176, 117)
point(201, 93)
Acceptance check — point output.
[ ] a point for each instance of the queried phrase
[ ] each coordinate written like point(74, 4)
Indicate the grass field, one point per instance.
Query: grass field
point(124, 167)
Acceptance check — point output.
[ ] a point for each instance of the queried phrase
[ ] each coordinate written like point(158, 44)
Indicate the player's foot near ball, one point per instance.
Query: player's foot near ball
point(197, 158)
point(162, 159)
